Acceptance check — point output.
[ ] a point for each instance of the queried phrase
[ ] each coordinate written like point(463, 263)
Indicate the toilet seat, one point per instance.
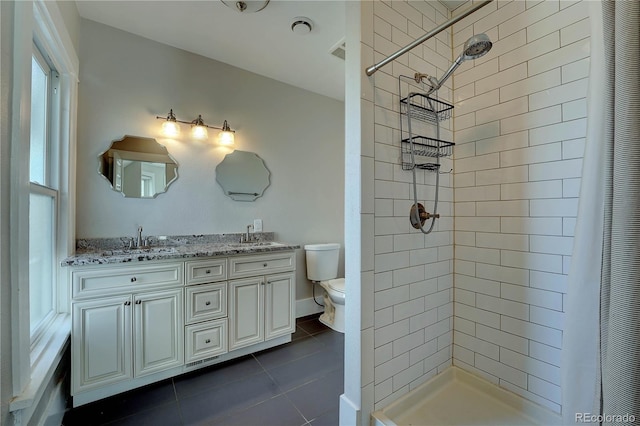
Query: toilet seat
point(336, 285)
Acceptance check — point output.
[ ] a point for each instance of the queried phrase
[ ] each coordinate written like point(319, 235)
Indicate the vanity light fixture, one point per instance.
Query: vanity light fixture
point(199, 131)
point(170, 127)
point(226, 136)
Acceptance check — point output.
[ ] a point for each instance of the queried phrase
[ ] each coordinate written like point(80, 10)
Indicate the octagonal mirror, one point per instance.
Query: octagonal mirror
point(242, 175)
point(138, 167)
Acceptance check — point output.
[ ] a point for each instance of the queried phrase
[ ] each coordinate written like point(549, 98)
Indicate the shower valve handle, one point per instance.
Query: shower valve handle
point(418, 216)
point(427, 215)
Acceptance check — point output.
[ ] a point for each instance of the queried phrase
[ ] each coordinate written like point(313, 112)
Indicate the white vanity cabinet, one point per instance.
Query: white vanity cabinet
point(141, 322)
point(121, 330)
point(261, 307)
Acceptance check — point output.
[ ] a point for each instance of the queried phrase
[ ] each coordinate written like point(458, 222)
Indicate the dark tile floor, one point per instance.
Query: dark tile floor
point(294, 384)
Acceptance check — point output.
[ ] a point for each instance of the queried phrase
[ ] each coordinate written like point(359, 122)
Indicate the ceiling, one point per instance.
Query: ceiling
point(260, 42)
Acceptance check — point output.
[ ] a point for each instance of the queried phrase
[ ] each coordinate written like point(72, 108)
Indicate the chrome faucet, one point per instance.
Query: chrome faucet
point(247, 237)
point(139, 236)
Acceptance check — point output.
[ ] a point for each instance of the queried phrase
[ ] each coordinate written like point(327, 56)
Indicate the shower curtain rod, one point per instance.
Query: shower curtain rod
point(427, 36)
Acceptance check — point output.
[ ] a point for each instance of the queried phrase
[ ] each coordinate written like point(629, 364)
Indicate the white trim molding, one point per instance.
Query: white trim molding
point(308, 306)
point(37, 370)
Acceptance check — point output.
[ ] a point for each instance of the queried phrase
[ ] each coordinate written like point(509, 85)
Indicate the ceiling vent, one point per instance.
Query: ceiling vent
point(339, 50)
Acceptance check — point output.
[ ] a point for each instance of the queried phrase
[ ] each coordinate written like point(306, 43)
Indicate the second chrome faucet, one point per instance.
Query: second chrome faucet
point(248, 237)
point(138, 242)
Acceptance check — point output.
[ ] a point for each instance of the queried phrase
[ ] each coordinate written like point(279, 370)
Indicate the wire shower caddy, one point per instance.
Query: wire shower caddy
point(425, 109)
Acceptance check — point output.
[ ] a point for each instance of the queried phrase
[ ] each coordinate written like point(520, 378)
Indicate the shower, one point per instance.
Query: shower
point(474, 48)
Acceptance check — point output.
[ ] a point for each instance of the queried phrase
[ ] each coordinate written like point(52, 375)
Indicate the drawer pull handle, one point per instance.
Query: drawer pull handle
point(138, 302)
point(134, 279)
point(208, 341)
point(207, 303)
point(208, 271)
point(264, 264)
point(127, 303)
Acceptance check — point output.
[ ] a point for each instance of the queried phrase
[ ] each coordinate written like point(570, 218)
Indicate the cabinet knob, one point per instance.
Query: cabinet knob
point(134, 279)
point(208, 271)
point(264, 264)
point(207, 303)
point(208, 341)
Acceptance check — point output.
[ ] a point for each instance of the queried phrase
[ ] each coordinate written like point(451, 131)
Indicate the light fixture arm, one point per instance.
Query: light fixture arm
point(197, 122)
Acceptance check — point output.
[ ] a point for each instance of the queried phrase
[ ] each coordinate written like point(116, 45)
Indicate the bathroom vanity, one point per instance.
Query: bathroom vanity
point(143, 316)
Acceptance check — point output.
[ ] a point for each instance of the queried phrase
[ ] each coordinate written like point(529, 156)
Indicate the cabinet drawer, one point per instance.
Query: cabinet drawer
point(205, 340)
point(205, 302)
point(246, 266)
point(206, 271)
point(120, 279)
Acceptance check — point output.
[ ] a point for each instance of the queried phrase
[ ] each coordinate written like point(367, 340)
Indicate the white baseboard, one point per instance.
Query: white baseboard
point(307, 306)
point(349, 412)
point(54, 412)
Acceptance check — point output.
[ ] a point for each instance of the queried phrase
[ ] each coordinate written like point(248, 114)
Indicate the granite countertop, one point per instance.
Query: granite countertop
point(113, 251)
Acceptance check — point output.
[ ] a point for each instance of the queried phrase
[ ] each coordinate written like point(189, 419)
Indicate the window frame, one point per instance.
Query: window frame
point(49, 186)
point(46, 322)
point(33, 365)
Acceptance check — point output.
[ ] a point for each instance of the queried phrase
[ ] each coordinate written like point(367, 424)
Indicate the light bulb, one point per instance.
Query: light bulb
point(226, 136)
point(199, 132)
point(170, 129)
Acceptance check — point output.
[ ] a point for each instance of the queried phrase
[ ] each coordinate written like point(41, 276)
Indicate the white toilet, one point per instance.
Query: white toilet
point(322, 268)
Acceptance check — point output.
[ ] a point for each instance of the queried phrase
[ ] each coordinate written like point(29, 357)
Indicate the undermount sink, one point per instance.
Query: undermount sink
point(256, 244)
point(144, 250)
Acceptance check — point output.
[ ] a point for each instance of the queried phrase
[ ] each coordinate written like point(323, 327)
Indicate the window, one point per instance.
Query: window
point(42, 131)
point(43, 197)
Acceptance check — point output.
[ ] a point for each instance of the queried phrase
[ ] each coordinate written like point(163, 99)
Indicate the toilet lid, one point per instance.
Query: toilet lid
point(337, 284)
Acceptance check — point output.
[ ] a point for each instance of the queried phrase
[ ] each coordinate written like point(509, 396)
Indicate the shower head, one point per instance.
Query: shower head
point(475, 47)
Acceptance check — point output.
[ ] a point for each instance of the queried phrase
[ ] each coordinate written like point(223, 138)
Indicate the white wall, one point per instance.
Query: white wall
point(407, 280)
point(520, 121)
point(6, 73)
point(126, 80)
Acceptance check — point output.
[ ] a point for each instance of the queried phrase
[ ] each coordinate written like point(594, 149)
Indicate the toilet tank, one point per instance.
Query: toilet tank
point(322, 261)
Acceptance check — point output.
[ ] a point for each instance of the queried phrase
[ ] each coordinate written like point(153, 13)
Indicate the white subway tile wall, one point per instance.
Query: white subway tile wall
point(413, 306)
point(517, 180)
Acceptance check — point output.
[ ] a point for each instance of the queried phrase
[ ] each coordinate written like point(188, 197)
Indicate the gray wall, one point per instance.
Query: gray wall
point(126, 80)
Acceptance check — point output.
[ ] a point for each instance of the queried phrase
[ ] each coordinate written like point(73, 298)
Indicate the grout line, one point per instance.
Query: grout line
point(175, 392)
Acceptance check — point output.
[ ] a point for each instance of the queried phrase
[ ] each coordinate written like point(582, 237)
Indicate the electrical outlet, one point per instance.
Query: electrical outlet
point(257, 225)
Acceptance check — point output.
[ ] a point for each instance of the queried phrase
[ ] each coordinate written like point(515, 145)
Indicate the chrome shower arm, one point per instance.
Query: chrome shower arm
point(459, 60)
point(427, 36)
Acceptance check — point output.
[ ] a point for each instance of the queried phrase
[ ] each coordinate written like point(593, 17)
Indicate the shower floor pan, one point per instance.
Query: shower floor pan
point(455, 397)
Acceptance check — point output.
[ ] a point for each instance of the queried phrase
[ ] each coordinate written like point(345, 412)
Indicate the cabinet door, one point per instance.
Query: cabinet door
point(101, 342)
point(246, 312)
point(279, 305)
point(158, 331)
